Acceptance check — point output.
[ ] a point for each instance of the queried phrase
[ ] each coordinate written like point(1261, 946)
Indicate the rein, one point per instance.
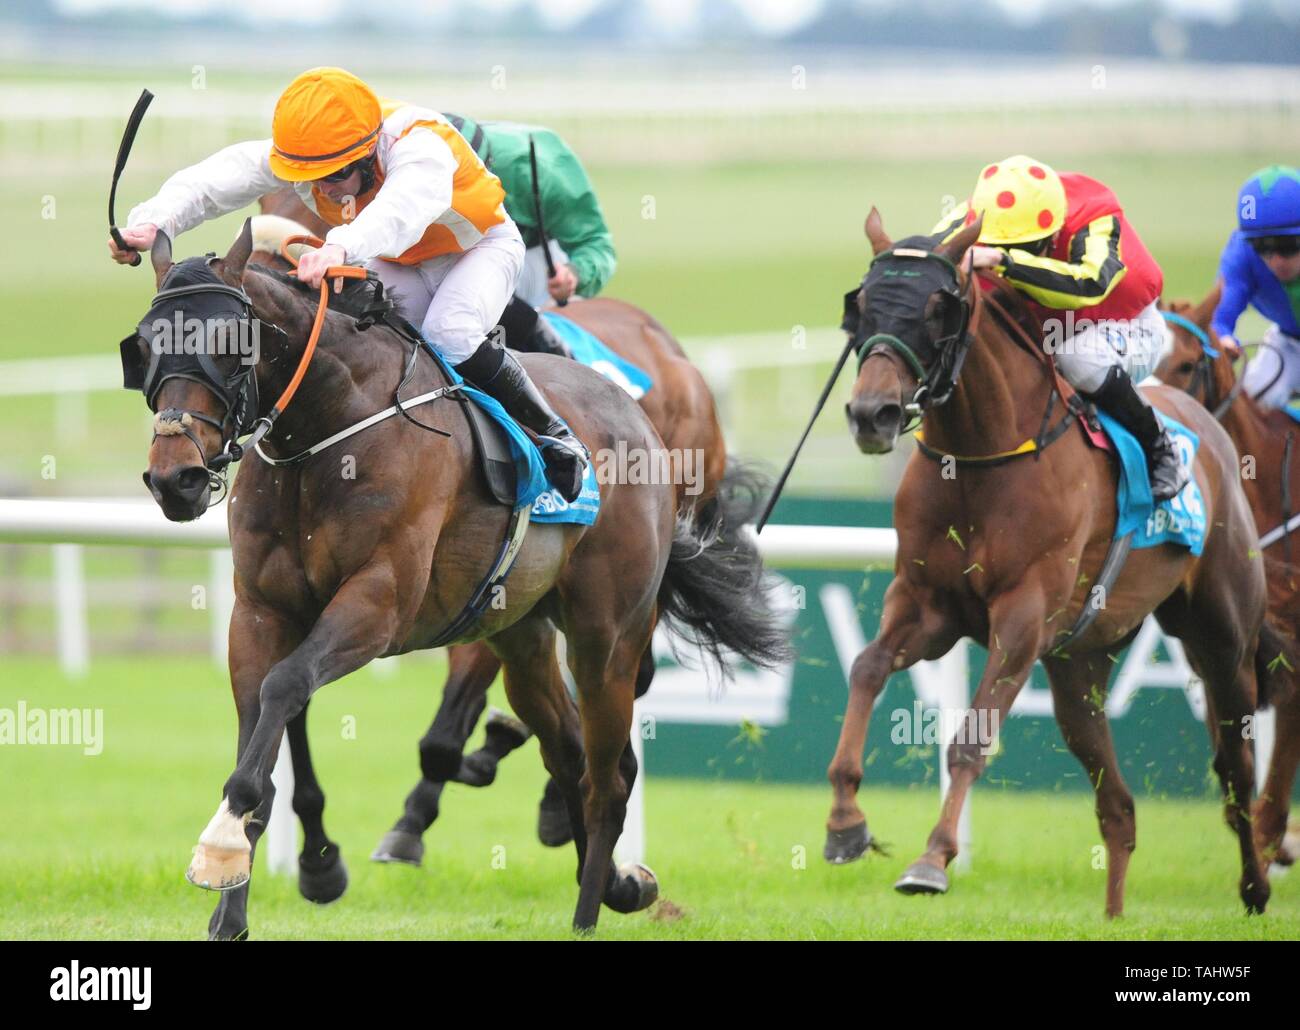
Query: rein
point(1047, 434)
point(399, 406)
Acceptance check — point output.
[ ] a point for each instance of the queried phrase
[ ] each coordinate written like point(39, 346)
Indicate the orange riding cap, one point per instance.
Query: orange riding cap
point(323, 121)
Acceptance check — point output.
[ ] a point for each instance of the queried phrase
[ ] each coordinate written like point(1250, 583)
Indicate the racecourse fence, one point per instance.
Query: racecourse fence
point(69, 525)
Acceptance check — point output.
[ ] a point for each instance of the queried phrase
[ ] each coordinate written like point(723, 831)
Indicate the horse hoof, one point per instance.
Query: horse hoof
point(922, 878)
point(636, 888)
point(1255, 898)
point(505, 728)
point(553, 827)
point(398, 846)
point(242, 935)
point(322, 878)
point(847, 845)
point(477, 770)
point(219, 869)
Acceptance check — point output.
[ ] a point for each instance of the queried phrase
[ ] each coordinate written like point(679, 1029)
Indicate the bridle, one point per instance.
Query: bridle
point(236, 392)
point(1203, 374)
point(936, 383)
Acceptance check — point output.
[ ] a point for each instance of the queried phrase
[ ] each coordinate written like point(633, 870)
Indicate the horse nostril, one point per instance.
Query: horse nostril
point(887, 418)
point(192, 481)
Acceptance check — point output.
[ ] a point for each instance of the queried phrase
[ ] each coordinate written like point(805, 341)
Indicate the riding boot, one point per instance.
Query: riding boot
point(545, 340)
point(497, 372)
point(1120, 399)
point(527, 331)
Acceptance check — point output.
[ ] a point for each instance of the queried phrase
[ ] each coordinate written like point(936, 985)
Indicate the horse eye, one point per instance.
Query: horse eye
point(1187, 367)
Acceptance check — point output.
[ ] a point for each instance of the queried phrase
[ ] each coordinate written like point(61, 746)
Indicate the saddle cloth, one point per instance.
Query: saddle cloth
point(589, 349)
point(1179, 520)
point(512, 463)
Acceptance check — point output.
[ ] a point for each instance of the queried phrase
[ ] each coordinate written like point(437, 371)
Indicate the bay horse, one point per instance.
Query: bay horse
point(999, 543)
point(333, 570)
point(682, 410)
point(1266, 440)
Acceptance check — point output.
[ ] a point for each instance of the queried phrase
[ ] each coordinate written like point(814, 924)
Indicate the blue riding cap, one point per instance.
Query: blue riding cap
point(1269, 203)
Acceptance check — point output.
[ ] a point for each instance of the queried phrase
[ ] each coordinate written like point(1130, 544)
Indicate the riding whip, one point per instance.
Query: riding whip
point(541, 219)
point(123, 152)
point(789, 465)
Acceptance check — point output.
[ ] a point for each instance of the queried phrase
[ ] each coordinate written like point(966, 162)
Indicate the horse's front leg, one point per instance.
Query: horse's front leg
point(911, 629)
point(359, 624)
point(259, 637)
point(1017, 632)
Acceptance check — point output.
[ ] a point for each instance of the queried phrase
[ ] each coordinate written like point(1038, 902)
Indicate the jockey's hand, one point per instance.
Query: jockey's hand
point(985, 258)
point(1230, 346)
point(312, 265)
point(563, 284)
point(137, 239)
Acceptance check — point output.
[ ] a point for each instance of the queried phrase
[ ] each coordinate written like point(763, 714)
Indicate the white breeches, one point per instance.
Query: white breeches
point(457, 299)
point(532, 280)
point(1089, 349)
point(1273, 374)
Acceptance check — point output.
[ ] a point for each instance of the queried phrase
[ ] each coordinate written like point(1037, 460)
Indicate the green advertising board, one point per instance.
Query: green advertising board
point(784, 726)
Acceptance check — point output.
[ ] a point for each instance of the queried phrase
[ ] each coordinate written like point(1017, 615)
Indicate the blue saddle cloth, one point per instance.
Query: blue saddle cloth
point(533, 490)
point(588, 348)
point(1179, 520)
point(1292, 408)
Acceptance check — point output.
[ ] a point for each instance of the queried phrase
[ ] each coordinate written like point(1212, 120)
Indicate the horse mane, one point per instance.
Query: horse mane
point(1014, 304)
point(356, 298)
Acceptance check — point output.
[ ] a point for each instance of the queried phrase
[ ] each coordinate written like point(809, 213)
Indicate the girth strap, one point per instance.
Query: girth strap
point(478, 602)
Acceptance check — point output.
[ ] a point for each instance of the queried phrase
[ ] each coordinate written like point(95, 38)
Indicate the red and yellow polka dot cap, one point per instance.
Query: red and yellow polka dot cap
point(1022, 200)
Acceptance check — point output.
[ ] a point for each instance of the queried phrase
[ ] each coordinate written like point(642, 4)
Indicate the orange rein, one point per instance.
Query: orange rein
point(333, 272)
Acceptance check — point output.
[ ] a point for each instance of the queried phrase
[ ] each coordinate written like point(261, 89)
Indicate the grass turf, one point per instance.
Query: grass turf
point(96, 846)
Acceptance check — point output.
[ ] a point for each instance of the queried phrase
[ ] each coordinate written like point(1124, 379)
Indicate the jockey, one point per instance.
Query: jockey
point(580, 242)
point(1063, 241)
point(406, 197)
point(1260, 266)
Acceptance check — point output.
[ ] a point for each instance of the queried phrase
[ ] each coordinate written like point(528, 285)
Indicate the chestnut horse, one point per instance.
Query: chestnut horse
point(1000, 551)
point(333, 570)
point(1267, 441)
point(681, 409)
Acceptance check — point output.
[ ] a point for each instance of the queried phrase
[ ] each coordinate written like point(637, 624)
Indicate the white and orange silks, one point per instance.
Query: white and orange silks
point(433, 226)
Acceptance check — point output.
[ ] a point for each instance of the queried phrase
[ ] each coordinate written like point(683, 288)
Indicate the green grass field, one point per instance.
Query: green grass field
point(96, 847)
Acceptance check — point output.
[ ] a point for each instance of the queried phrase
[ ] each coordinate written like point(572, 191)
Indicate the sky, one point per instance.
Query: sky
point(771, 17)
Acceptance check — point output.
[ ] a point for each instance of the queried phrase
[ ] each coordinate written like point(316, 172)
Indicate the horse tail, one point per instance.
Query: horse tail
point(715, 593)
point(1277, 665)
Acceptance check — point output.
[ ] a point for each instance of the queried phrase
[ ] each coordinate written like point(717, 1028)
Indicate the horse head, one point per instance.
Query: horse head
point(1189, 361)
point(194, 357)
point(908, 323)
